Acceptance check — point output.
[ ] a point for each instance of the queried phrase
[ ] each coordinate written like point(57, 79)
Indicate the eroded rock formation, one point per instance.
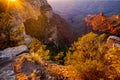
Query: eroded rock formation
point(101, 23)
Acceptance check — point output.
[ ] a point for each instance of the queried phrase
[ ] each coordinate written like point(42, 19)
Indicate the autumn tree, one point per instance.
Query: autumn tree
point(38, 51)
point(113, 58)
point(59, 58)
point(86, 57)
point(5, 30)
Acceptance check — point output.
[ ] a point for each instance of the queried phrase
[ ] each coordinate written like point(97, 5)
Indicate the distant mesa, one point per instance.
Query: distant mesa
point(103, 24)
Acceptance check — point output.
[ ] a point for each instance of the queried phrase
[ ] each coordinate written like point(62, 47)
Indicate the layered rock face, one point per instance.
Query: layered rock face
point(101, 23)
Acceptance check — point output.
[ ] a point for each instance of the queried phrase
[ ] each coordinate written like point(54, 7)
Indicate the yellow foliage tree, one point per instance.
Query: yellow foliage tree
point(86, 57)
point(38, 51)
point(113, 58)
point(5, 30)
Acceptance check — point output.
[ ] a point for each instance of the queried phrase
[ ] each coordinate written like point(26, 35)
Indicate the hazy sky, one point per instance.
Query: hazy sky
point(57, 4)
point(90, 5)
point(62, 3)
point(82, 0)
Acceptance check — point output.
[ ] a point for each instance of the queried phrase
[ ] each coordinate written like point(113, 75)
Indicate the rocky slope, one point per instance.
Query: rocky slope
point(14, 66)
point(103, 24)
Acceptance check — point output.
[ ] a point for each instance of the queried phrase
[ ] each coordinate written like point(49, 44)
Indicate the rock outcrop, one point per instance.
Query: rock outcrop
point(13, 52)
point(7, 57)
point(101, 23)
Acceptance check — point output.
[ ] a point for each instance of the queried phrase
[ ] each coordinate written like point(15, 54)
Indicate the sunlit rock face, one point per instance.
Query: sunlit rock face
point(35, 17)
point(101, 23)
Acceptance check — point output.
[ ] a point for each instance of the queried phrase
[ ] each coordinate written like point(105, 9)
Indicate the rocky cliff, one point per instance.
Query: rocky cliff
point(101, 23)
point(35, 18)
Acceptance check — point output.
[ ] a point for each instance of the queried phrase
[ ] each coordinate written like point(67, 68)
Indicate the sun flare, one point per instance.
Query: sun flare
point(12, 0)
point(13, 4)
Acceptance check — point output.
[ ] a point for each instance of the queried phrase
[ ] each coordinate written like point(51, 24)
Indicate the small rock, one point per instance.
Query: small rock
point(7, 73)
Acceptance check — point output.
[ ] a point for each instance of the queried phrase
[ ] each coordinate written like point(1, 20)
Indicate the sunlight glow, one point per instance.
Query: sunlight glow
point(13, 4)
point(12, 0)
